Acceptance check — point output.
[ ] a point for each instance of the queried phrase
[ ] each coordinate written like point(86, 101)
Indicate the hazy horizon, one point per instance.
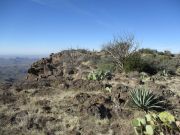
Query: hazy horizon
point(21, 55)
point(13, 56)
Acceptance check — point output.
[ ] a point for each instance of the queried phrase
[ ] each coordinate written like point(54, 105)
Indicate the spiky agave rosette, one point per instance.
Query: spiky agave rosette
point(146, 100)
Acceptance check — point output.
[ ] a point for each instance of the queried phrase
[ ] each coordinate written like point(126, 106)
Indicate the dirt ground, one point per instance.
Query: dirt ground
point(57, 111)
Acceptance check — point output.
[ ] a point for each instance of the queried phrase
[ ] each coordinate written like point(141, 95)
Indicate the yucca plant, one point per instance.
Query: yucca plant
point(146, 100)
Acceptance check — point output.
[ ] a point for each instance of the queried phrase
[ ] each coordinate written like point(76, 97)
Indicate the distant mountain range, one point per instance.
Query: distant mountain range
point(14, 68)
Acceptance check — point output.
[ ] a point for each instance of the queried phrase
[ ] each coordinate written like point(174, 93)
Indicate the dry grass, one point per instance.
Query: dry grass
point(65, 123)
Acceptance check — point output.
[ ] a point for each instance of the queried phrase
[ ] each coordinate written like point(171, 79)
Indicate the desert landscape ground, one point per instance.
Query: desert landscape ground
point(89, 67)
point(81, 92)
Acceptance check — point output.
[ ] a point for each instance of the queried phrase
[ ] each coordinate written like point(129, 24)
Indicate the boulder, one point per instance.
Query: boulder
point(99, 111)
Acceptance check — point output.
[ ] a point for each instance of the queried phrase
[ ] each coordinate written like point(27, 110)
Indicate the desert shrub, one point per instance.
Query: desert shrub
point(161, 53)
point(133, 63)
point(106, 64)
point(120, 49)
point(170, 65)
point(154, 61)
point(84, 51)
point(93, 58)
point(153, 51)
point(153, 64)
point(148, 67)
point(73, 56)
point(156, 124)
point(148, 51)
point(137, 63)
point(146, 100)
point(167, 52)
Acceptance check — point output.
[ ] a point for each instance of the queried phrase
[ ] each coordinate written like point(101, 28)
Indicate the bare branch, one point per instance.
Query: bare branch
point(121, 48)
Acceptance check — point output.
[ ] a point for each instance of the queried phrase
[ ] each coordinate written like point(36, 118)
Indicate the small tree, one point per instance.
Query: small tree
point(121, 48)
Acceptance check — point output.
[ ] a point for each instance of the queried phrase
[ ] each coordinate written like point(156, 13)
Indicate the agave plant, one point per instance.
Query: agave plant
point(146, 100)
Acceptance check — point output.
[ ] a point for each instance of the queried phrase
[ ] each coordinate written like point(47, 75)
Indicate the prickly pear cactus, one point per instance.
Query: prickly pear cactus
point(166, 117)
point(156, 124)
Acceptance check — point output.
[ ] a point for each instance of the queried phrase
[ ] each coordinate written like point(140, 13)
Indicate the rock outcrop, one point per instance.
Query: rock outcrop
point(66, 64)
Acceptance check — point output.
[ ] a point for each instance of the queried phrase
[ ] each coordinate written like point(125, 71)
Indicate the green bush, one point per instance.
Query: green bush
point(133, 63)
point(151, 64)
point(106, 64)
point(158, 63)
point(148, 51)
point(155, 52)
point(148, 67)
point(137, 63)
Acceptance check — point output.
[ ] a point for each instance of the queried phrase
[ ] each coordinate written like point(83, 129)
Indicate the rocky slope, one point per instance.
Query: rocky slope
point(57, 99)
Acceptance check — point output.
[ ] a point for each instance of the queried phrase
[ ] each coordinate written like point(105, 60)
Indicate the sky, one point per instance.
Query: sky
point(35, 27)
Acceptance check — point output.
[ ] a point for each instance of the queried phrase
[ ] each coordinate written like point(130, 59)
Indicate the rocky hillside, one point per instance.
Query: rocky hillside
point(58, 98)
point(66, 69)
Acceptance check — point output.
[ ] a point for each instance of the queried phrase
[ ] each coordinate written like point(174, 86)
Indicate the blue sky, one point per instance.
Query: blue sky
point(45, 26)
